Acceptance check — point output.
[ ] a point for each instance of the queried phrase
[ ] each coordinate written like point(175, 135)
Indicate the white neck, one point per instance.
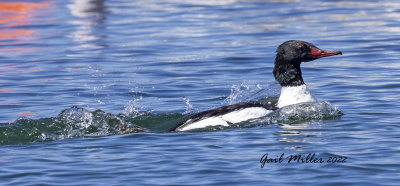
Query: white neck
point(294, 95)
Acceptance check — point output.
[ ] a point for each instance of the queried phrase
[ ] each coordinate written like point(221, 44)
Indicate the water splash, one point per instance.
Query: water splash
point(189, 106)
point(238, 93)
point(301, 112)
point(72, 122)
point(251, 91)
point(135, 106)
point(268, 93)
point(131, 109)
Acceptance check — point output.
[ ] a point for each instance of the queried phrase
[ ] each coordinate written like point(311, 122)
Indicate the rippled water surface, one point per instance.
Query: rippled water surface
point(89, 88)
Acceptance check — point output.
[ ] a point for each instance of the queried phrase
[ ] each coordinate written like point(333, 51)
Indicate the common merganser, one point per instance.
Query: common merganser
point(287, 72)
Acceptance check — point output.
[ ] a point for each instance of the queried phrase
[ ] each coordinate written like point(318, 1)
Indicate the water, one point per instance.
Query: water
point(88, 90)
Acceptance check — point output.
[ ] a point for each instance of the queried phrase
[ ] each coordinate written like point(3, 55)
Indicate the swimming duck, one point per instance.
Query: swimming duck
point(287, 72)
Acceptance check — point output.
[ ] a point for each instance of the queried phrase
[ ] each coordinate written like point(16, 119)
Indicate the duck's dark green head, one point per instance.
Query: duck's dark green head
point(289, 56)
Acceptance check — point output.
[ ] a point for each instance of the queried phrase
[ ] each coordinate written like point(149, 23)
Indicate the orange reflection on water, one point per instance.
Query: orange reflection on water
point(14, 14)
point(22, 7)
point(19, 68)
point(7, 90)
point(14, 34)
point(26, 114)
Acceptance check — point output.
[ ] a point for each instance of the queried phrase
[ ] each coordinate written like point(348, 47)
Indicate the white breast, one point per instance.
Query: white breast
point(294, 95)
point(231, 117)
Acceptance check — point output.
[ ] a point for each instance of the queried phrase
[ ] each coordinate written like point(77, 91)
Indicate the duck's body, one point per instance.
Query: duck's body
point(287, 72)
point(226, 115)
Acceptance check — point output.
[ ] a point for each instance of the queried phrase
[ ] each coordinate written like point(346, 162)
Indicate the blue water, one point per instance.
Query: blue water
point(74, 73)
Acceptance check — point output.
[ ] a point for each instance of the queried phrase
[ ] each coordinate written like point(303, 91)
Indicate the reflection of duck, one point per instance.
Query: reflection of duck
point(287, 72)
point(93, 9)
point(89, 14)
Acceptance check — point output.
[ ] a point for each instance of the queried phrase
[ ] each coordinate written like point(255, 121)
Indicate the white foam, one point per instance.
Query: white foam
point(294, 95)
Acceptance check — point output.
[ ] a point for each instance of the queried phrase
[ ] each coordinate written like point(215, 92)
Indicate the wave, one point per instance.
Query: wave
point(301, 112)
point(79, 122)
point(70, 123)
